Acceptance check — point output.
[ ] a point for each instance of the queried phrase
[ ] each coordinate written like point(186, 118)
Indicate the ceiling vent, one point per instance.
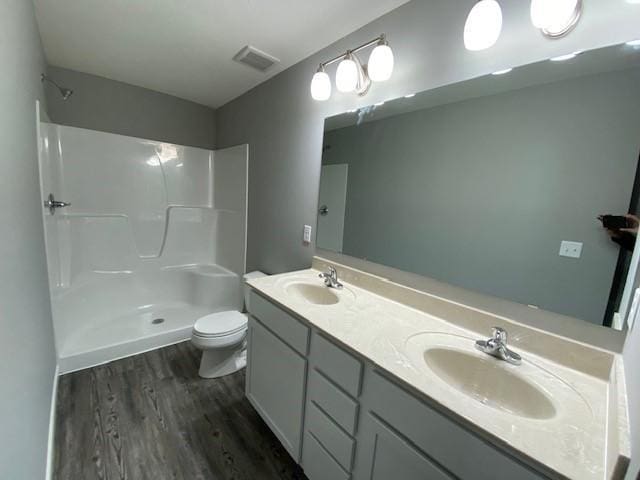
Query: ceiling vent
point(255, 58)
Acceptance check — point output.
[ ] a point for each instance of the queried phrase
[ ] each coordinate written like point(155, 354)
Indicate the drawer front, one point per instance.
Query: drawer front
point(342, 368)
point(333, 401)
point(318, 464)
point(441, 438)
point(335, 441)
point(288, 328)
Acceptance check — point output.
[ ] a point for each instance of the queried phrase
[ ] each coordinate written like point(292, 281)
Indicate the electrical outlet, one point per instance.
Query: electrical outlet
point(570, 249)
point(306, 235)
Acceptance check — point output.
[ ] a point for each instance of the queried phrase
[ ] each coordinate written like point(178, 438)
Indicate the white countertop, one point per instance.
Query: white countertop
point(572, 443)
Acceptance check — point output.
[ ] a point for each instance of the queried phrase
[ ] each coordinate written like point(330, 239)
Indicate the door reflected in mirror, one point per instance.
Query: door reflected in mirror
point(497, 184)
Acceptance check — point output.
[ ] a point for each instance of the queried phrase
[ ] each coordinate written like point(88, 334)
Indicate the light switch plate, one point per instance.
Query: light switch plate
point(570, 249)
point(306, 235)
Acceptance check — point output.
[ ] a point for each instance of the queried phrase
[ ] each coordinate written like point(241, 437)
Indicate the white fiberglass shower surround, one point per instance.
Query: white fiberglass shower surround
point(154, 238)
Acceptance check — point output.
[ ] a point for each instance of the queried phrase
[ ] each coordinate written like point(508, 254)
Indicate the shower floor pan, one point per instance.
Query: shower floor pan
point(105, 320)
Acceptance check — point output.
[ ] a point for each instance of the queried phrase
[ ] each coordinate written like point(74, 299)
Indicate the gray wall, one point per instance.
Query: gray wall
point(109, 106)
point(480, 193)
point(27, 356)
point(283, 125)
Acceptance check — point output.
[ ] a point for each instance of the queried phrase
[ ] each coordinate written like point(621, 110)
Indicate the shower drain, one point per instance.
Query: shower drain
point(157, 321)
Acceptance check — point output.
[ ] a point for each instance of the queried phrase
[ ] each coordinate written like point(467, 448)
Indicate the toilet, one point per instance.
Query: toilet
point(221, 337)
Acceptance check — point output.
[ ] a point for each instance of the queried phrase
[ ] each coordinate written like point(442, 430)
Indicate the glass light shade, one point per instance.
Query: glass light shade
point(380, 65)
point(320, 86)
point(553, 15)
point(347, 76)
point(483, 26)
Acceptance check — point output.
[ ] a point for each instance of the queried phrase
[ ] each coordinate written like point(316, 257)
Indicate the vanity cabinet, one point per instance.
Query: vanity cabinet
point(342, 419)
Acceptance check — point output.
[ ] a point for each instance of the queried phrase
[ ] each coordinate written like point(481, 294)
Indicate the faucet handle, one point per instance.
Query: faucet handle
point(499, 334)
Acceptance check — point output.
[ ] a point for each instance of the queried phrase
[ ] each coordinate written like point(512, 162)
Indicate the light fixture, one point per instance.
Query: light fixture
point(483, 26)
point(411, 95)
point(502, 72)
point(321, 85)
point(380, 65)
point(351, 75)
point(564, 58)
point(633, 43)
point(555, 18)
point(65, 92)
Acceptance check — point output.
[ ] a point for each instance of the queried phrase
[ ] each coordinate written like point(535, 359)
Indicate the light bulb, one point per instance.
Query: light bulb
point(380, 65)
point(553, 15)
point(320, 86)
point(483, 26)
point(347, 75)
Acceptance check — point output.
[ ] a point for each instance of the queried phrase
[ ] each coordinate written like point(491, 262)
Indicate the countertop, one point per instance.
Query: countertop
point(572, 444)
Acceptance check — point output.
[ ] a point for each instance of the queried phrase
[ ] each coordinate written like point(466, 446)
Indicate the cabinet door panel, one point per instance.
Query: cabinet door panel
point(275, 385)
point(388, 456)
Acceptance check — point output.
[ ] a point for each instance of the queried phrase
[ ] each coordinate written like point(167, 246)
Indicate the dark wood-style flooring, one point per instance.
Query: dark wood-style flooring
point(151, 417)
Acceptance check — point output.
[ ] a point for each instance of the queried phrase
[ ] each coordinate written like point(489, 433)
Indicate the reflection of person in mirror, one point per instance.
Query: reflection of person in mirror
point(621, 229)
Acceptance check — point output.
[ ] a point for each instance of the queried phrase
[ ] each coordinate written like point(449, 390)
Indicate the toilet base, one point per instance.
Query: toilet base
point(218, 362)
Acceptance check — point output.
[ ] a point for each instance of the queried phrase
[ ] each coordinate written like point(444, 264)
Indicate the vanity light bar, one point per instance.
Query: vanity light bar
point(379, 39)
point(352, 75)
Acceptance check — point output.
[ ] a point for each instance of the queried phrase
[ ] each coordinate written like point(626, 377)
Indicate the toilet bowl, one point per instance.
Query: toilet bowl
point(221, 337)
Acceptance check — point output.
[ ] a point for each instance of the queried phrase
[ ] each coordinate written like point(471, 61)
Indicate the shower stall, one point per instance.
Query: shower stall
point(142, 239)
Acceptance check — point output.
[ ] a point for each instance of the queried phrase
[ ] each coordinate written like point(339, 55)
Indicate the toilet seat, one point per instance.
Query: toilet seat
point(221, 324)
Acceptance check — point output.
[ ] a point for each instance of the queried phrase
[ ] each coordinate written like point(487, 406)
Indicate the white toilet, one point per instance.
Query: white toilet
point(221, 337)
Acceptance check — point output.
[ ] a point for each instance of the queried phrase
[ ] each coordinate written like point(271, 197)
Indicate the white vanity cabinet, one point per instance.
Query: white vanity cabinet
point(341, 419)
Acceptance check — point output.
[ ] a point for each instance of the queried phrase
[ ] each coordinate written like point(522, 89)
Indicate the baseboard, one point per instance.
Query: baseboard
point(52, 425)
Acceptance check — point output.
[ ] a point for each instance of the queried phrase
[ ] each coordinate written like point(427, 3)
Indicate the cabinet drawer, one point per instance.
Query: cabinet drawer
point(445, 441)
point(318, 464)
point(338, 365)
point(334, 402)
point(335, 441)
point(288, 328)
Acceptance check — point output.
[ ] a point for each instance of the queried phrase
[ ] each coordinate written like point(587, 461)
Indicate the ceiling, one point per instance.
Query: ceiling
point(185, 47)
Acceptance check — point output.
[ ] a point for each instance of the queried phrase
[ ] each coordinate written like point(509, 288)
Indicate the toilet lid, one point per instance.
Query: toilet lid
point(220, 324)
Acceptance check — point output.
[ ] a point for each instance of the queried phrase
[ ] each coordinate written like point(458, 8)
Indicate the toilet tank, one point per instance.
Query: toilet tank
point(246, 288)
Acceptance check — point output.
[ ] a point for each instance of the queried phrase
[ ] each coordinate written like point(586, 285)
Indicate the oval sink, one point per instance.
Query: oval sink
point(316, 294)
point(489, 382)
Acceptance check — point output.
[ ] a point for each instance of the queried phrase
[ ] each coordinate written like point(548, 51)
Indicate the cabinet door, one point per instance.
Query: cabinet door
point(276, 384)
point(387, 455)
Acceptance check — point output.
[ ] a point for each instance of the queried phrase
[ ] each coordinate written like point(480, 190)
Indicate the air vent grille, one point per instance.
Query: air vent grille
point(255, 58)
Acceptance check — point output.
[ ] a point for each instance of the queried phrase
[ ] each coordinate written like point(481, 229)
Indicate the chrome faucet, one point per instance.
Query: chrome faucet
point(331, 278)
point(496, 346)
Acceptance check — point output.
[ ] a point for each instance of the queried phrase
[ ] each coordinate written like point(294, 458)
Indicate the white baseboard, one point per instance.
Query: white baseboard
point(52, 425)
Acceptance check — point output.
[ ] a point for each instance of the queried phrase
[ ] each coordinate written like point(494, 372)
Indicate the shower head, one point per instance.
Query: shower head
point(65, 92)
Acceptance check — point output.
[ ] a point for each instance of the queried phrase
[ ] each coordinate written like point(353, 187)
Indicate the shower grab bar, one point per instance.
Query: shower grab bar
point(51, 203)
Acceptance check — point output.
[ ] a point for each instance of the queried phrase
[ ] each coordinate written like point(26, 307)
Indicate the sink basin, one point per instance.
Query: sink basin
point(488, 381)
point(452, 367)
point(316, 294)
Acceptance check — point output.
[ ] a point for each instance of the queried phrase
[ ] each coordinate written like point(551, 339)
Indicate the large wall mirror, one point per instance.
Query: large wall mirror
point(497, 184)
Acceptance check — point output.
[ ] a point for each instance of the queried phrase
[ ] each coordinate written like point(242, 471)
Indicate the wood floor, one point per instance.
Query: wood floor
point(152, 417)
